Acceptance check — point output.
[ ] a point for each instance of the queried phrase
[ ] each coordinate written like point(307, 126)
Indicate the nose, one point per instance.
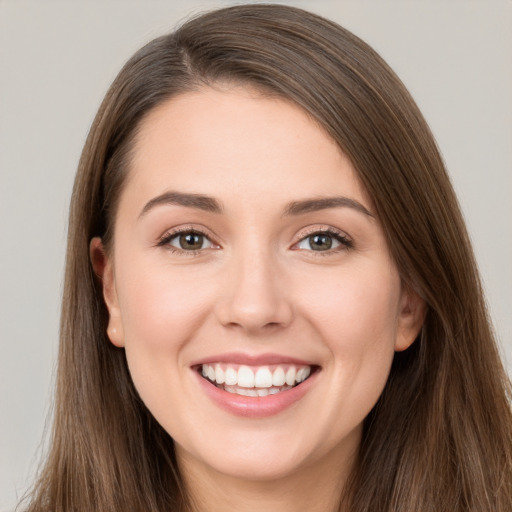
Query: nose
point(254, 295)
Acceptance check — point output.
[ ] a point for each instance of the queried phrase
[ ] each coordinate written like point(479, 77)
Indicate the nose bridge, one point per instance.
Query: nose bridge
point(254, 297)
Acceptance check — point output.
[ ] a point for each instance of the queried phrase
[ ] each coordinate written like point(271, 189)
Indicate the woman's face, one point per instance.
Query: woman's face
point(246, 249)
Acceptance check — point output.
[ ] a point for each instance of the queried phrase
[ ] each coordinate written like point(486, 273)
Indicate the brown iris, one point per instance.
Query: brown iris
point(191, 241)
point(320, 242)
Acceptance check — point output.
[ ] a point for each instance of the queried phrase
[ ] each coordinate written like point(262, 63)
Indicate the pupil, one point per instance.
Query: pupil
point(320, 242)
point(191, 241)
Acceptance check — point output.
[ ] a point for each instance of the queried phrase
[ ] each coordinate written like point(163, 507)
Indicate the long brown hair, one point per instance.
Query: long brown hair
point(440, 436)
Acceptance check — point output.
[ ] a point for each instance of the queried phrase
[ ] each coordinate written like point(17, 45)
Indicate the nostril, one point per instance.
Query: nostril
point(254, 317)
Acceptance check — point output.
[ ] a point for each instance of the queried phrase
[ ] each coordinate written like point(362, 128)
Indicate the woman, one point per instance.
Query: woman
point(270, 298)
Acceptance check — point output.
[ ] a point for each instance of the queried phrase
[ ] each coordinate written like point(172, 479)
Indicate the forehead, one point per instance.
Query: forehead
point(234, 141)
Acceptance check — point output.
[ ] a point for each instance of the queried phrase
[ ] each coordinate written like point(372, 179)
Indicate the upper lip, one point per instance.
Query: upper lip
point(251, 359)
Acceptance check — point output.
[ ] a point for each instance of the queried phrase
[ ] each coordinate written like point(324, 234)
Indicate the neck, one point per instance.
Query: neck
point(310, 489)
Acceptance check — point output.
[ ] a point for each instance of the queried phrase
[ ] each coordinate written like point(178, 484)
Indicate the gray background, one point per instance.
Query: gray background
point(57, 59)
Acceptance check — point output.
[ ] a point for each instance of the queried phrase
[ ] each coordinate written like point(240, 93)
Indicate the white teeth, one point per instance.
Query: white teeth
point(290, 376)
point(230, 376)
point(263, 378)
point(245, 377)
point(278, 378)
point(260, 381)
point(219, 374)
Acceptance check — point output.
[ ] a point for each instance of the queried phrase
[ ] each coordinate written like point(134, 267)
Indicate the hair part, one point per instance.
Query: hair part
point(440, 436)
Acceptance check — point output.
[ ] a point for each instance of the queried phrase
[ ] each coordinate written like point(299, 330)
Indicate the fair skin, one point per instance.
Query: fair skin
point(256, 274)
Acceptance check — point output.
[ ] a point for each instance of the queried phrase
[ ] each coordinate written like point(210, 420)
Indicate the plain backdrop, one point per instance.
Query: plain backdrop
point(57, 59)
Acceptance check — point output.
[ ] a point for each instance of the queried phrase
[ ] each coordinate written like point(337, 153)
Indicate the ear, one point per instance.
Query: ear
point(411, 315)
point(103, 268)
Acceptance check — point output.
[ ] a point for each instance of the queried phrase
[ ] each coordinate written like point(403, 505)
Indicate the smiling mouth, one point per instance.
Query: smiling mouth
point(255, 381)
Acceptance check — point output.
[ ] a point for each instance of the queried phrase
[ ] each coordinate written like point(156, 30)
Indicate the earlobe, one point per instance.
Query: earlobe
point(104, 270)
point(410, 320)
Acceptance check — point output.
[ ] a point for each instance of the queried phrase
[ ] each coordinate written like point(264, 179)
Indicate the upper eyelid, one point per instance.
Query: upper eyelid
point(186, 229)
point(305, 232)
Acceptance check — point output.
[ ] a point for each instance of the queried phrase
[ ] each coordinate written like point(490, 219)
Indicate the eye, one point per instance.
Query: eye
point(188, 241)
point(323, 241)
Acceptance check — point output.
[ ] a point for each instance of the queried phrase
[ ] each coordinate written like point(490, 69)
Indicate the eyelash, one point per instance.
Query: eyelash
point(344, 241)
point(165, 240)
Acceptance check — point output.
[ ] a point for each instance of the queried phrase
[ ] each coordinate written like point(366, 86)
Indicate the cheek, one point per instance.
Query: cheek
point(161, 311)
point(158, 307)
point(360, 330)
point(363, 302)
point(357, 319)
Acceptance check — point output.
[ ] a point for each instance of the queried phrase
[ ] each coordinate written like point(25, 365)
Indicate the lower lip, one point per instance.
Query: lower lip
point(256, 406)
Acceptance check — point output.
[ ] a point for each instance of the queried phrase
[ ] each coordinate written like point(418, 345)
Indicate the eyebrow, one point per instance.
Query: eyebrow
point(209, 204)
point(323, 203)
point(198, 201)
